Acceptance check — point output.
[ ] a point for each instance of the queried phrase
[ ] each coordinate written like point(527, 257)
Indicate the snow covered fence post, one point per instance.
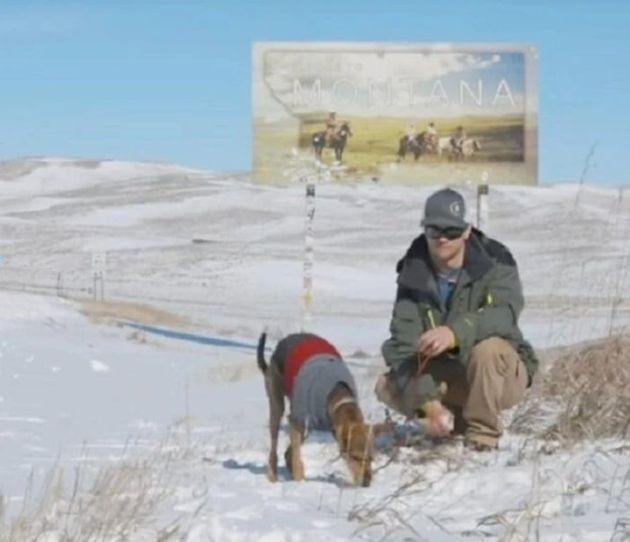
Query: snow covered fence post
point(99, 263)
point(482, 207)
point(307, 278)
point(59, 284)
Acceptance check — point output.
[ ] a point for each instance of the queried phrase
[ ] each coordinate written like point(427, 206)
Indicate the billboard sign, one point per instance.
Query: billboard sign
point(399, 113)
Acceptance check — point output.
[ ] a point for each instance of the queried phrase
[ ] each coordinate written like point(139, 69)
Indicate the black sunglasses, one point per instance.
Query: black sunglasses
point(452, 233)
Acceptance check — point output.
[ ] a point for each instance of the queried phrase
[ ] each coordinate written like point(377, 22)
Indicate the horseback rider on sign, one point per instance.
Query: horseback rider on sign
point(432, 137)
point(458, 139)
point(331, 126)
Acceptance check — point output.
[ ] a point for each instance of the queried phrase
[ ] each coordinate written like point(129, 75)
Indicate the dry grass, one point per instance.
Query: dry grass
point(383, 514)
point(107, 312)
point(117, 502)
point(116, 507)
point(390, 517)
point(584, 395)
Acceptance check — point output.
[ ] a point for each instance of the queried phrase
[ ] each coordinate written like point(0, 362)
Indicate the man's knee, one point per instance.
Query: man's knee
point(496, 365)
point(493, 353)
point(406, 400)
point(382, 389)
point(491, 346)
point(387, 392)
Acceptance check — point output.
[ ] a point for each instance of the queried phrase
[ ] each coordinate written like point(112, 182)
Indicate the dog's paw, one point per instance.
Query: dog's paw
point(298, 471)
point(299, 476)
point(272, 466)
point(272, 474)
point(287, 461)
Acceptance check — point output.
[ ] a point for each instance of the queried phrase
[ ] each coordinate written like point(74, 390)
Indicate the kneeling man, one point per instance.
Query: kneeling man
point(455, 321)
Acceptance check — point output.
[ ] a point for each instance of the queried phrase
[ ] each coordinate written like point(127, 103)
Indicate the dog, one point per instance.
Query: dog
point(322, 394)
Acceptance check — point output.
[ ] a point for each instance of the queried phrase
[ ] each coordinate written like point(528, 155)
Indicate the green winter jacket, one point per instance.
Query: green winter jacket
point(486, 302)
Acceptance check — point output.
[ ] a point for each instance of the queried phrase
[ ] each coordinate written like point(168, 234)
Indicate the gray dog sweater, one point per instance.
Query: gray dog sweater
point(314, 383)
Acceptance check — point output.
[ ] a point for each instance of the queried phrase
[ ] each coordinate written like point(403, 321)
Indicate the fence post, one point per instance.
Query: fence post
point(309, 256)
point(99, 265)
point(483, 210)
point(59, 284)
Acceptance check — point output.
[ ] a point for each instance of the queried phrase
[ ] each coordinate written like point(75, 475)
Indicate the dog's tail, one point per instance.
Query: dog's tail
point(260, 358)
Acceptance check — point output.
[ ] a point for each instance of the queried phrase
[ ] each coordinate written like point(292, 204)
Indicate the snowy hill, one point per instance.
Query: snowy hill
point(212, 254)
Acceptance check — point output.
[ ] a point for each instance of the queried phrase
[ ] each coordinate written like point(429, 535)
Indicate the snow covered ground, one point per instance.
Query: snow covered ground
point(220, 256)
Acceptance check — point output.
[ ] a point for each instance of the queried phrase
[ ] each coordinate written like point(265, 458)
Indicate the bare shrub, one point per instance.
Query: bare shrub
point(118, 502)
point(390, 515)
point(584, 395)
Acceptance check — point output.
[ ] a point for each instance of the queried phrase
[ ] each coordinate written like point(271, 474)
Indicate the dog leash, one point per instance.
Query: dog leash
point(423, 362)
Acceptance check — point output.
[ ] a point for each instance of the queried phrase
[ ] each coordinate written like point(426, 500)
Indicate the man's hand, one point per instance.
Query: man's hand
point(435, 341)
point(438, 420)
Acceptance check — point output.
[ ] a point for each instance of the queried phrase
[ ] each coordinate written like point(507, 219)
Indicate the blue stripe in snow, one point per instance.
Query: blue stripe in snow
point(214, 341)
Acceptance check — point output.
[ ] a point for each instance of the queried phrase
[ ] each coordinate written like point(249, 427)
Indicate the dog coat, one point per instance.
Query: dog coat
point(300, 349)
point(312, 369)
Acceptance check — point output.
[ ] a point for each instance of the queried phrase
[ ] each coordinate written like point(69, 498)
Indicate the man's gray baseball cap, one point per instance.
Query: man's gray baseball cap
point(445, 209)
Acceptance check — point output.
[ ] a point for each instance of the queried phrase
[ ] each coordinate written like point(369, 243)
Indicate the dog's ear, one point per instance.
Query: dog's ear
point(347, 432)
point(342, 434)
point(355, 445)
point(354, 436)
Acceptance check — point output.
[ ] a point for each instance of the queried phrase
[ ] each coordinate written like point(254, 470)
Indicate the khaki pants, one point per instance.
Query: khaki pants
point(494, 380)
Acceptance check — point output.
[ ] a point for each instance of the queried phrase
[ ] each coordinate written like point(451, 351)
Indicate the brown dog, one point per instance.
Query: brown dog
point(310, 372)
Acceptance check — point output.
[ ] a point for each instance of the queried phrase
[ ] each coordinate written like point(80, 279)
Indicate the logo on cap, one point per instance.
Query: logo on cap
point(455, 208)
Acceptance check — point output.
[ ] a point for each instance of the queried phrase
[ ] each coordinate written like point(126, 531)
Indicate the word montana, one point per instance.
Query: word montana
point(399, 91)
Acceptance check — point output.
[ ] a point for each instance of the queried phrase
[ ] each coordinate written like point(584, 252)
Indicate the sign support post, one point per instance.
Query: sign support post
point(309, 256)
point(483, 212)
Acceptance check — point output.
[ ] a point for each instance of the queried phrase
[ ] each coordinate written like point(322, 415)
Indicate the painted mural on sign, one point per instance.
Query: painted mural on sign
point(410, 113)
